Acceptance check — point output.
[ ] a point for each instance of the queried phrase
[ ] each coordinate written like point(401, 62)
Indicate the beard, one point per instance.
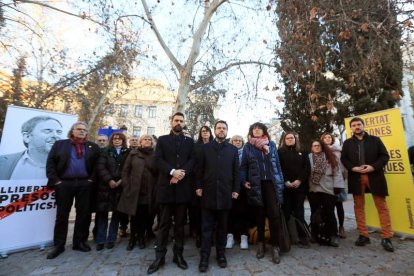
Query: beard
point(177, 128)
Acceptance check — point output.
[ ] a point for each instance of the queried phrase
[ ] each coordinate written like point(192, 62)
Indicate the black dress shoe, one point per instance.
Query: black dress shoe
point(362, 241)
point(179, 261)
point(156, 265)
point(141, 243)
point(99, 247)
point(110, 245)
point(387, 245)
point(56, 251)
point(203, 266)
point(221, 261)
point(131, 244)
point(83, 247)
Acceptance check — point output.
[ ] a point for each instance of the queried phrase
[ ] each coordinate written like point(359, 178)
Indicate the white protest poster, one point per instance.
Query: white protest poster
point(27, 208)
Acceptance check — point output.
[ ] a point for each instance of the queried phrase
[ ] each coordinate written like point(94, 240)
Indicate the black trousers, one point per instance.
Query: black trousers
point(80, 190)
point(240, 216)
point(139, 222)
point(209, 219)
point(123, 221)
point(293, 204)
point(179, 211)
point(327, 202)
point(270, 210)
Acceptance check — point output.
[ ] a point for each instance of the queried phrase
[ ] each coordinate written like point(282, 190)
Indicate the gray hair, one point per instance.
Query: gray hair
point(76, 124)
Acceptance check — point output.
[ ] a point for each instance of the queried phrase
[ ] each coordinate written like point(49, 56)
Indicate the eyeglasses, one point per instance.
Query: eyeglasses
point(205, 131)
point(101, 140)
point(81, 129)
point(236, 140)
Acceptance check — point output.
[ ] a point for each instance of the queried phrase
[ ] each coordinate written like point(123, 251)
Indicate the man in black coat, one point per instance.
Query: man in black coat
point(70, 170)
point(364, 156)
point(220, 182)
point(174, 159)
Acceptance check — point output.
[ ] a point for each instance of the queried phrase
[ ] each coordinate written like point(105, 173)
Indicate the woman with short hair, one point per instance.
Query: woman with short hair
point(138, 183)
point(261, 175)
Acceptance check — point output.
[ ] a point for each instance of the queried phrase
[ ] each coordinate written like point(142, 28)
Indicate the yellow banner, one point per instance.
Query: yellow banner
point(387, 125)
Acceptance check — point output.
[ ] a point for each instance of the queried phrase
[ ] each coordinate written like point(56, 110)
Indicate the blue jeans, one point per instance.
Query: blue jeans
point(104, 234)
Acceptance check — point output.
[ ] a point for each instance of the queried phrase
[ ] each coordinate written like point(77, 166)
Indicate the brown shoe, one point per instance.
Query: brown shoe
point(261, 250)
point(341, 232)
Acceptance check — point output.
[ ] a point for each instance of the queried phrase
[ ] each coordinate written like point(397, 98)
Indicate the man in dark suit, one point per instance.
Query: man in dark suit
point(220, 183)
point(174, 159)
point(70, 171)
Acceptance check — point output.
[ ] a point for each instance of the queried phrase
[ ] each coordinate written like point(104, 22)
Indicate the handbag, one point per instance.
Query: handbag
point(284, 238)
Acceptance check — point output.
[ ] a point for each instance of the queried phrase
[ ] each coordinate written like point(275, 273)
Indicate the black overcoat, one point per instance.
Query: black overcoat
point(376, 155)
point(174, 152)
point(219, 174)
point(59, 158)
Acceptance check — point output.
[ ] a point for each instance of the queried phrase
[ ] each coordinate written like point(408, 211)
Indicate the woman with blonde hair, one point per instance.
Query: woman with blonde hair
point(138, 182)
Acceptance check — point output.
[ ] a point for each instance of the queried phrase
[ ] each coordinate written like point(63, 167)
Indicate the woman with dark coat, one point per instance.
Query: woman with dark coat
point(194, 212)
point(296, 170)
point(137, 198)
point(109, 168)
point(261, 175)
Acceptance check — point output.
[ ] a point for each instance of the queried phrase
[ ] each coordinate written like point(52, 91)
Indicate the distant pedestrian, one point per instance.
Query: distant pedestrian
point(365, 156)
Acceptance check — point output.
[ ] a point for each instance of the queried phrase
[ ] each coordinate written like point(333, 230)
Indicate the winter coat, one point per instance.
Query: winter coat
point(139, 168)
point(376, 155)
point(330, 180)
point(219, 174)
point(295, 166)
point(250, 172)
point(109, 167)
point(171, 155)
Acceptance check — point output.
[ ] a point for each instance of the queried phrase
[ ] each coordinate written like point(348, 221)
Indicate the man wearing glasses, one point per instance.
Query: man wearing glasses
point(70, 171)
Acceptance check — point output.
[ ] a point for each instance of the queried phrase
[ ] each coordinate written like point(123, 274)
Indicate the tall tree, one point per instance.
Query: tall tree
point(337, 58)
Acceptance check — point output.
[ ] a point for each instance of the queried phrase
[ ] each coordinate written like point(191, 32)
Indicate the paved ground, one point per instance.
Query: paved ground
point(318, 260)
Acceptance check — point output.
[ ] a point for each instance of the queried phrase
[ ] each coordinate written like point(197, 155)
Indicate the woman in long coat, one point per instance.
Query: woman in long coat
point(109, 168)
point(137, 198)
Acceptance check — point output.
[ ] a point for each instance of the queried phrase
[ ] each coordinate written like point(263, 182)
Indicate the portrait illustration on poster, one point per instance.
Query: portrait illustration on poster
point(28, 136)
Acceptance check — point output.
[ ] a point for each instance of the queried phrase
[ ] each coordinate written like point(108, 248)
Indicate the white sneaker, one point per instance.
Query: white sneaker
point(244, 243)
point(230, 241)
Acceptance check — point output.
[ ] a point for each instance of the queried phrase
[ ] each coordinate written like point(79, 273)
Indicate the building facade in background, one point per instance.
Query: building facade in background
point(145, 108)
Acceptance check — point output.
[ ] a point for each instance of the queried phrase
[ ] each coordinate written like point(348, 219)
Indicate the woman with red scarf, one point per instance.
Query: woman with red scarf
point(261, 175)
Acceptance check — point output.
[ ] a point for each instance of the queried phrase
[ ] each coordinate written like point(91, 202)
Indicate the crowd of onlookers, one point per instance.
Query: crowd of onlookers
point(174, 181)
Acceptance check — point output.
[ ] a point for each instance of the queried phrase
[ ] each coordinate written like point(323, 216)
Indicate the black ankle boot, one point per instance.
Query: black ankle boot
point(131, 243)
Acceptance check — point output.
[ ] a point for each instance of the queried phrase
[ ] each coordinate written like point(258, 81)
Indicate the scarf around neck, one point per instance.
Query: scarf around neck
point(319, 166)
point(79, 146)
point(259, 142)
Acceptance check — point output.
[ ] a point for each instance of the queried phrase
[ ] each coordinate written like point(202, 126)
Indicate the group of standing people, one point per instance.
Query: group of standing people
point(221, 182)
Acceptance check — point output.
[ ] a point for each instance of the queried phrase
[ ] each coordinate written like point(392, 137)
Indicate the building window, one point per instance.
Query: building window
point(138, 111)
point(109, 109)
point(151, 130)
point(123, 111)
point(152, 111)
point(136, 131)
